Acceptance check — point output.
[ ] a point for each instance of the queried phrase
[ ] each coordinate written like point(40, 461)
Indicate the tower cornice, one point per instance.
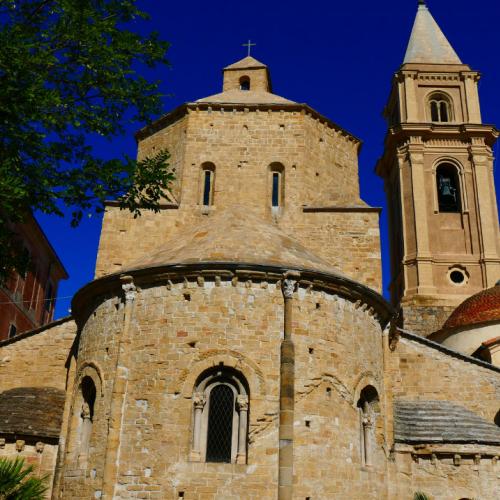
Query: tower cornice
point(403, 131)
point(404, 134)
point(184, 109)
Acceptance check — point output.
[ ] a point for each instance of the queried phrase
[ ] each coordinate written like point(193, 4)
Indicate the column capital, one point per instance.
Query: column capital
point(128, 287)
point(242, 402)
point(199, 400)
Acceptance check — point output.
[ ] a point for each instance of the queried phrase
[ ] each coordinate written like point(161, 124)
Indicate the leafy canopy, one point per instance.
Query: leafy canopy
point(69, 72)
point(18, 482)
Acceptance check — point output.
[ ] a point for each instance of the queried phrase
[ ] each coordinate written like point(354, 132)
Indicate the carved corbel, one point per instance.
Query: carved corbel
point(289, 284)
point(129, 289)
point(394, 334)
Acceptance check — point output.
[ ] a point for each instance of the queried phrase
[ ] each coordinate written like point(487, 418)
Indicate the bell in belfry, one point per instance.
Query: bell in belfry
point(446, 190)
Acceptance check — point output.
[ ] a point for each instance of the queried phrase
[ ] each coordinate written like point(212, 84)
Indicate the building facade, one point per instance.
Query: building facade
point(236, 345)
point(28, 301)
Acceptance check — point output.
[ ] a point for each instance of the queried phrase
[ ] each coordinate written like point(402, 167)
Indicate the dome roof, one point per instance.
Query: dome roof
point(234, 235)
point(479, 308)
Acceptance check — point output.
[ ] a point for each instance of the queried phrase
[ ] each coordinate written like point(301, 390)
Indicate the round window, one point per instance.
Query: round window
point(457, 277)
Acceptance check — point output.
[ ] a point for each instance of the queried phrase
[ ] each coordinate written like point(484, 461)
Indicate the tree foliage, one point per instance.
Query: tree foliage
point(17, 482)
point(70, 70)
point(420, 496)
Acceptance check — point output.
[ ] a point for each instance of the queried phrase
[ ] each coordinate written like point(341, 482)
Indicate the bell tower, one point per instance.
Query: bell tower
point(437, 168)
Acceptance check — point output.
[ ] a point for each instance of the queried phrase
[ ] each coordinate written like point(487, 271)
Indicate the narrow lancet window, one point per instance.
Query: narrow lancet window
point(276, 189)
point(448, 189)
point(207, 184)
point(207, 187)
point(277, 185)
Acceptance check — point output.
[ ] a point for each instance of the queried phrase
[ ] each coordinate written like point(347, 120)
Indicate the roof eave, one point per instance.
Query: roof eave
point(339, 284)
point(182, 110)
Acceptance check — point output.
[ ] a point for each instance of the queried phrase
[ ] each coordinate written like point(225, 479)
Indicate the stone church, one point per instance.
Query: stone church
point(236, 345)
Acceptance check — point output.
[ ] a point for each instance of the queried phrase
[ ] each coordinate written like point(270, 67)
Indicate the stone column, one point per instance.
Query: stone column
point(118, 394)
point(367, 428)
point(242, 402)
point(85, 434)
point(287, 390)
point(470, 80)
point(199, 403)
point(486, 210)
point(425, 279)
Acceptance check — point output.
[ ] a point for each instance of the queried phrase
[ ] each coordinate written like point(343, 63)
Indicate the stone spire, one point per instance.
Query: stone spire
point(428, 45)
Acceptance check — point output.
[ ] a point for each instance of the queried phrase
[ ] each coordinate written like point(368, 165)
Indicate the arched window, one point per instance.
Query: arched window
point(448, 188)
point(220, 420)
point(440, 108)
point(277, 172)
point(88, 397)
point(497, 418)
point(207, 183)
point(244, 83)
point(368, 405)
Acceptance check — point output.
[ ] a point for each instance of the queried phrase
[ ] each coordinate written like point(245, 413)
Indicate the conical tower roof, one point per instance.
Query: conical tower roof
point(428, 44)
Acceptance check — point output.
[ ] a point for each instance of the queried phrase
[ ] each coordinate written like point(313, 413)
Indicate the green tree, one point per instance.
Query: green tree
point(69, 71)
point(420, 496)
point(18, 483)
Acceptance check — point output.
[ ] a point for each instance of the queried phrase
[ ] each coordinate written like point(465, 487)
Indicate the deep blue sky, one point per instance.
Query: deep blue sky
point(338, 57)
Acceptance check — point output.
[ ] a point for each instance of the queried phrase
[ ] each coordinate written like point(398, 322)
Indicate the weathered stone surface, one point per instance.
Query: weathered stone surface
point(32, 411)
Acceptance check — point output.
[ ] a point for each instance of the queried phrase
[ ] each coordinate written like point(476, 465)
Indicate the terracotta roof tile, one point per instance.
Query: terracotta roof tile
point(480, 308)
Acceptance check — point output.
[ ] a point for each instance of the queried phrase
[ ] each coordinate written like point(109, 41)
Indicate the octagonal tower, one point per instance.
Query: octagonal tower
point(282, 160)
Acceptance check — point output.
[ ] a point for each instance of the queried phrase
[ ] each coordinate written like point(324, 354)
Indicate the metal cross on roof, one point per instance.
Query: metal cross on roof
point(249, 45)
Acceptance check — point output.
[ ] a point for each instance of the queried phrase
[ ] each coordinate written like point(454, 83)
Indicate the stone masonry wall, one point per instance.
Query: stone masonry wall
point(424, 319)
point(320, 169)
point(177, 331)
point(37, 453)
point(37, 360)
point(419, 372)
point(445, 479)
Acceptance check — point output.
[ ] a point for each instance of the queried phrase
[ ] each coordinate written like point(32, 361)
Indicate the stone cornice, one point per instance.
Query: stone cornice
point(184, 109)
point(110, 285)
point(436, 452)
point(334, 208)
point(436, 68)
point(400, 135)
point(163, 206)
point(434, 130)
